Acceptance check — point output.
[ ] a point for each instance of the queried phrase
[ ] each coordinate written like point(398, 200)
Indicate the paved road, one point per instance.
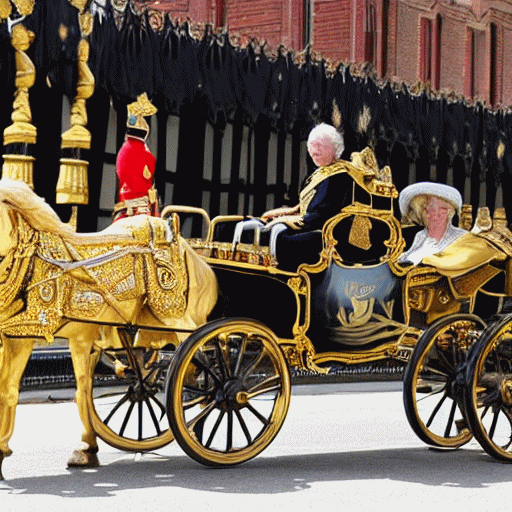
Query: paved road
point(342, 446)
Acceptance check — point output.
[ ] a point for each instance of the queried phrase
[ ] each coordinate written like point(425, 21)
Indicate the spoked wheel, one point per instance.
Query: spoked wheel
point(228, 392)
point(488, 391)
point(127, 404)
point(432, 394)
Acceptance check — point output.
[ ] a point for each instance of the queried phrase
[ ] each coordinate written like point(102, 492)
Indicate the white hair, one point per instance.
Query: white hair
point(324, 129)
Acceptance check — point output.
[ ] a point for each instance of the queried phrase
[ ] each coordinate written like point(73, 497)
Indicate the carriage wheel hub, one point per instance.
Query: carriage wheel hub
point(233, 394)
point(506, 392)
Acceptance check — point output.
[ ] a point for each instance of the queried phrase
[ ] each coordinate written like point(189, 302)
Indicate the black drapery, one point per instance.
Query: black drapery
point(214, 81)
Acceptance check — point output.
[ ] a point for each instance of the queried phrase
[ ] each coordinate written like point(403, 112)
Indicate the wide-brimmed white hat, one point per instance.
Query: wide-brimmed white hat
point(428, 188)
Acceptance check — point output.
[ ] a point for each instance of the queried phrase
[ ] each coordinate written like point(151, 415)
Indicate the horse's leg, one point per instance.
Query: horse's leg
point(14, 355)
point(80, 345)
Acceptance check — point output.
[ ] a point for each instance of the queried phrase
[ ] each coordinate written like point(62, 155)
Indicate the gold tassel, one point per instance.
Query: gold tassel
point(359, 235)
point(72, 185)
point(21, 131)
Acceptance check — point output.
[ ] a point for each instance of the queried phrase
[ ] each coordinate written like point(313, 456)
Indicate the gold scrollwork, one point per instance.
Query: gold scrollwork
point(167, 278)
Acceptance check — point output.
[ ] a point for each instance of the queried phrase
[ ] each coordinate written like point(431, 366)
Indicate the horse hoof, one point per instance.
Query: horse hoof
point(84, 457)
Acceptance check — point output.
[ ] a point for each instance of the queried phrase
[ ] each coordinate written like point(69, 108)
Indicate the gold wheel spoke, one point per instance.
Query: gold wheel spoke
point(223, 364)
point(432, 393)
point(254, 364)
point(240, 355)
point(196, 401)
point(202, 415)
point(269, 384)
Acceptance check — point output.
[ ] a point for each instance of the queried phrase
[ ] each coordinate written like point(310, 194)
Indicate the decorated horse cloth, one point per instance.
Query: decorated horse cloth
point(136, 272)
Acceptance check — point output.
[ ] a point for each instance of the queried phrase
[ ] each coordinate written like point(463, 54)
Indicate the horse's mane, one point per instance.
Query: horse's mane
point(34, 209)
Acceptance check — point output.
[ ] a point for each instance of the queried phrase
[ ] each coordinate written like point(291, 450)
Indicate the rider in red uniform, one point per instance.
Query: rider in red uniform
point(135, 165)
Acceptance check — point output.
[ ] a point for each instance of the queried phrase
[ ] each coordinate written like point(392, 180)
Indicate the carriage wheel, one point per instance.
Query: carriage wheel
point(432, 394)
point(127, 403)
point(228, 392)
point(488, 391)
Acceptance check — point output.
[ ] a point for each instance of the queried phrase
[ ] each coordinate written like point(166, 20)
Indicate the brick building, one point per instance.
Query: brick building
point(456, 46)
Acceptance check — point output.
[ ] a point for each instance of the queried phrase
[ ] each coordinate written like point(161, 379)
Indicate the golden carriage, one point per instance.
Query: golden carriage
point(196, 339)
point(424, 316)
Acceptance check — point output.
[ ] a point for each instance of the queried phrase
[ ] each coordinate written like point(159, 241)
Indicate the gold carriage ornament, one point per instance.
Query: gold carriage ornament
point(72, 185)
point(21, 132)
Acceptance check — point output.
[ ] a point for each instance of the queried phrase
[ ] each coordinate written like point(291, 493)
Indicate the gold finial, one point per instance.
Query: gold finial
point(466, 217)
point(86, 23)
point(499, 219)
point(138, 110)
point(483, 220)
point(5, 9)
point(25, 7)
point(21, 131)
point(79, 4)
point(78, 136)
point(72, 186)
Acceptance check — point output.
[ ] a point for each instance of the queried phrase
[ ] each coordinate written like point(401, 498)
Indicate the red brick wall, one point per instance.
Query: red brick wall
point(255, 18)
point(332, 29)
point(392, 37)
point(453, 55)
point(407, 43)
point(276, 22)
point(337, 33)
point(197, 10)
point(507, 67)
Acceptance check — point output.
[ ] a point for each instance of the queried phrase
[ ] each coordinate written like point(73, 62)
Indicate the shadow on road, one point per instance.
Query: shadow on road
point(467, 469)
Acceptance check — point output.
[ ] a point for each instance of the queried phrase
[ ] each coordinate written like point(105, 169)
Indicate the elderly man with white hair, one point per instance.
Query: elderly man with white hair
point(294, 231)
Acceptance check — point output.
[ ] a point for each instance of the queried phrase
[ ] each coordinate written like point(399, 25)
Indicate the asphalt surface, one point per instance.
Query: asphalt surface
point(342, 446)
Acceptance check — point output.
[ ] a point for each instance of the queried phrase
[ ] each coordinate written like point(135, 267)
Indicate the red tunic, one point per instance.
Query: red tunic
point(135, 167)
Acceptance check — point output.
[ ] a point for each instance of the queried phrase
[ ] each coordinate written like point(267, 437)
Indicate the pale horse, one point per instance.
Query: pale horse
point(139, 272)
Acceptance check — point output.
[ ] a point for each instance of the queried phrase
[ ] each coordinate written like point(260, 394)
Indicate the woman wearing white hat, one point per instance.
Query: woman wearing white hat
point(433, 206)
point(451, 250)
